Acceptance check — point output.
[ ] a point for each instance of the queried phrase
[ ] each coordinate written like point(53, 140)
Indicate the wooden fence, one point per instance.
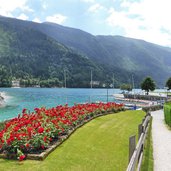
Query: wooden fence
point(136, 151)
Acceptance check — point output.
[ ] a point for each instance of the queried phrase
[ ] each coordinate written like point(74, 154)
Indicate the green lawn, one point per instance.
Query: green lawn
point(100, 145)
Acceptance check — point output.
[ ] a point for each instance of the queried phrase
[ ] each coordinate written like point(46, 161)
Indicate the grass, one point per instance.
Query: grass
point(164, 92)
point(147, 164)
point(100, 145)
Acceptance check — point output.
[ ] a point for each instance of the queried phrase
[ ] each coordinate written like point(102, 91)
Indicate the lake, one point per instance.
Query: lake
point(30, 98)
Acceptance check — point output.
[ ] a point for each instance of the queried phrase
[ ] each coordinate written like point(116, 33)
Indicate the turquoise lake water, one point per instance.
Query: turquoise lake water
point(30, 98)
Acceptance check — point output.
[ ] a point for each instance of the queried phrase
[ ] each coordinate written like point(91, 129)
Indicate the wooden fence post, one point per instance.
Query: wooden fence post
point(140, 130)
point(136, 151)
point(132, 146)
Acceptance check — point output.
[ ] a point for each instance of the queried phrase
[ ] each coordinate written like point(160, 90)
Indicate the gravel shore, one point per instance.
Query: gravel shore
point(161, 142)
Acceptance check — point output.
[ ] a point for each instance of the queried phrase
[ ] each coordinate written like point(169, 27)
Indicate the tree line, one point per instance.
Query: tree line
point(148, 84)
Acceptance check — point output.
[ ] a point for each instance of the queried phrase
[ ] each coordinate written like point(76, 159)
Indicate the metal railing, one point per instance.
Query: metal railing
point(68, 99)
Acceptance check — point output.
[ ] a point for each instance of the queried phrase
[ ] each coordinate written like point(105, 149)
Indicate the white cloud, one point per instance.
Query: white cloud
point(56, 18)
point(8, 6)
point(23, 17)
point(44, 6)
point(151, 15)
point(95, 8)
point(37, 20)
point(26, 8)
point(91, 1)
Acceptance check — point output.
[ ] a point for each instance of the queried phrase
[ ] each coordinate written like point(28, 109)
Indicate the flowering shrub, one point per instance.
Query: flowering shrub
point(33, 132)
point(20, 155)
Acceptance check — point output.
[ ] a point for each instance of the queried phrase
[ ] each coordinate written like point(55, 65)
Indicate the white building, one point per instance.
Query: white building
point(96, 83)
point(15, 83)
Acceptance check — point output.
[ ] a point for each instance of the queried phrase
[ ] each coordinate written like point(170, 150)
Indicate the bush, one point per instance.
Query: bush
point(152, 108)
point(1, 126)
point(167, 113)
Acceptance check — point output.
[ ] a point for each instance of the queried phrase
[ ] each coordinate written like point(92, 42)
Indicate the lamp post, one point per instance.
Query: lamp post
point(133, 86)
point(105, 85)
point(166, 88)
point(65, 81)
point(107, 95)
point(91, 83)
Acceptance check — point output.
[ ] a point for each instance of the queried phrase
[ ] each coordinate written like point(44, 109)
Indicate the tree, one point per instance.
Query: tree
point(148, 84)
point(127, 87)
point(168, 83)
point(5, 78)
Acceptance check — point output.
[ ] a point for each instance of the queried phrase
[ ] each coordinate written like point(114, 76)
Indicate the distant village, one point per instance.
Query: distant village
point(16, 84)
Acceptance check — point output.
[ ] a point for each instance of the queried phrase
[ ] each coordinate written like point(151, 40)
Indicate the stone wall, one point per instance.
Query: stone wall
point(144, 97)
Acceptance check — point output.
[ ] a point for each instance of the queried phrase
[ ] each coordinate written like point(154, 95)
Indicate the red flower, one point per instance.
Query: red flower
point(27, 145)
point(45, 138)
point(43, 121)
point(40, 130)
point(22, 157)
point(24, 111)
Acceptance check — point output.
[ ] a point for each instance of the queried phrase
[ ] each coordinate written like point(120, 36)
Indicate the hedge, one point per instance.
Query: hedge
point(152, 108)
point(167, 113)
point(1, 125)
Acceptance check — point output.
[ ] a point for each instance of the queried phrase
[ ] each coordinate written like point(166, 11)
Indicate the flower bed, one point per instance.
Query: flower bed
point(43, 129)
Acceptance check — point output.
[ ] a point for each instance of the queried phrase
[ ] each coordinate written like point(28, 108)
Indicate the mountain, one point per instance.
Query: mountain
point(117, 54)
point(29, 54)
point(40, 49)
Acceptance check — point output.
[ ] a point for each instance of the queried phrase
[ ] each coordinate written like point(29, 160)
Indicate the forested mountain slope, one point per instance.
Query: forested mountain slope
point(44, 50)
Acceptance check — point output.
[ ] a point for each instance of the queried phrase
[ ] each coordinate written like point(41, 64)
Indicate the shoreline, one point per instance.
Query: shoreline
point(3, 99)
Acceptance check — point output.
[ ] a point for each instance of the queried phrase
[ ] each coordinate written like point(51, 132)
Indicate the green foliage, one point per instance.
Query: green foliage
point(1, 125)
point(152, 108)
point(50, 83)
point(127, 87)
point(116, 54)
point(167, 113)
point(148, 84)
point(36, 59)
point(168, 83)
point(5, 77)
point(36, 82)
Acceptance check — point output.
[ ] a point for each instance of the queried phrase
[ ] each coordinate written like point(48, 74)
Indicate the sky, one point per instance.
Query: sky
point(141, 19)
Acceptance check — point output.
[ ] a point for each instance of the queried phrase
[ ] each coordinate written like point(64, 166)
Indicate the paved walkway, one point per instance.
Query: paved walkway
point(161, 142)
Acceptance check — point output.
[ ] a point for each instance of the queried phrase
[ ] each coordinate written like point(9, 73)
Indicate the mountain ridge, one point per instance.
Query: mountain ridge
point(107, 54)
point(123, 49)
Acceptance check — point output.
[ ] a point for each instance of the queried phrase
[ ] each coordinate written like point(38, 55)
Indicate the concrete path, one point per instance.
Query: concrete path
point(161, 142)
